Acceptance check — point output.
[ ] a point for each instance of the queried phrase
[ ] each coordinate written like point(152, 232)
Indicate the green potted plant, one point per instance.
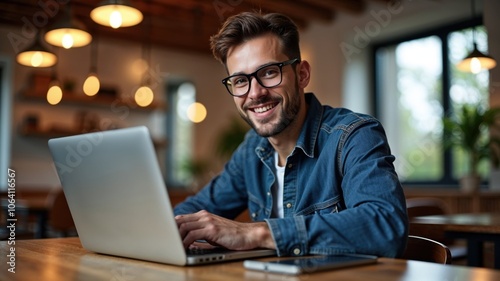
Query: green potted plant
point(469, 130)
point(197, 170)
point(231, 137)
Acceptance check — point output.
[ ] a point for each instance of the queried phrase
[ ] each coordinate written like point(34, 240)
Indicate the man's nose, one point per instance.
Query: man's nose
point(256, 89)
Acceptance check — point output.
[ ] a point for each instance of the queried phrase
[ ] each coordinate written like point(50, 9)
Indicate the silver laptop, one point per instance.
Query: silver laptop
point(119, 201)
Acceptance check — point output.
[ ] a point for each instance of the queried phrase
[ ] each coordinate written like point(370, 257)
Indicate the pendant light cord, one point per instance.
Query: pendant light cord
point(146, 51)
point(54, 77)
point(93, 55)
point(473, 11)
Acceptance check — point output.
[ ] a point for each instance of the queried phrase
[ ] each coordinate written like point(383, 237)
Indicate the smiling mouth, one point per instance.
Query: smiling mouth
point(264, 108)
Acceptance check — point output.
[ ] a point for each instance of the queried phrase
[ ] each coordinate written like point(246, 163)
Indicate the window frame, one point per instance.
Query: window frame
point(442, 33)
point(171, 91)
point(6, 110)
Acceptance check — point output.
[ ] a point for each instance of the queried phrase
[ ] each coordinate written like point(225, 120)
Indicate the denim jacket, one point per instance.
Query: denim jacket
point(341, 192)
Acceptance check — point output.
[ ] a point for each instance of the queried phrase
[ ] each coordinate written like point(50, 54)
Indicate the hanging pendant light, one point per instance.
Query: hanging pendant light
point(144, 96)
point(54, 94)
point(68, 32)
point(92, 85)
point(196, 112)
point(476, 61)
point(36, 55)
point(116, 14)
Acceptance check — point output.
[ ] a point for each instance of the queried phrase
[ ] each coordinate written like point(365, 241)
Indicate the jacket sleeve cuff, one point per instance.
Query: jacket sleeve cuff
point(290, 235)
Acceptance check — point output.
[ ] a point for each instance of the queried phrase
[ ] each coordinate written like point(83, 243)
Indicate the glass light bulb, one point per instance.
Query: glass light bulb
point(67, 40)
point(196, 112)
point(91, 85)
point(475, 65)
point(115, 19)
point(36, 59)
point(144, 96)
point(54, 95)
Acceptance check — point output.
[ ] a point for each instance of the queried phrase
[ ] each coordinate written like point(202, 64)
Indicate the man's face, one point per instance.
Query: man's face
point(268, 110)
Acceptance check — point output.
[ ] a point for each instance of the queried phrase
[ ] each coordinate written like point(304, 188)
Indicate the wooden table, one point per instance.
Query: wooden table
point(475, 228)
point(65, 259)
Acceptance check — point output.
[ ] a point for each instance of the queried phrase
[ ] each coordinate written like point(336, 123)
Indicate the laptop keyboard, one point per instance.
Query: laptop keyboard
point(198, 251)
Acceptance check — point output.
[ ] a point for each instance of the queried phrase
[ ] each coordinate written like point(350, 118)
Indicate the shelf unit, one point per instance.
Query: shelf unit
point(39, 85)
point(35, 133)
point(37, 88)
point(96, 101)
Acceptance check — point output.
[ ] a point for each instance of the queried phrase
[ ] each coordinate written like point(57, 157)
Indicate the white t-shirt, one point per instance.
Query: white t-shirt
point(278, 188)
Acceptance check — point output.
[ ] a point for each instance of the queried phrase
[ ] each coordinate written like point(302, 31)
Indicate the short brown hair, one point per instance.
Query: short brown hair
point(248, 25)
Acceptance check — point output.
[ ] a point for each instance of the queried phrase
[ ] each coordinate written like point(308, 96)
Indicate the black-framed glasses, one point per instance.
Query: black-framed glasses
point(267, 76)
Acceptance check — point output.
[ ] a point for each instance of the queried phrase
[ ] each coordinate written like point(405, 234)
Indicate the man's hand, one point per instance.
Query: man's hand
point(223, 232)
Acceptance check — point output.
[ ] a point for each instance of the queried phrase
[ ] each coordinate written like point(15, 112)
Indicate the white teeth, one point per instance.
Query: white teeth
point(263, 109)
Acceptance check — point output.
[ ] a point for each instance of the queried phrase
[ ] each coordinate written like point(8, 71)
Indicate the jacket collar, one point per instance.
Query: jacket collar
point(308, 134)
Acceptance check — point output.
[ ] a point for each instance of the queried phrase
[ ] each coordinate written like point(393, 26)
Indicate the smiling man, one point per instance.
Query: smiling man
point(315, 179)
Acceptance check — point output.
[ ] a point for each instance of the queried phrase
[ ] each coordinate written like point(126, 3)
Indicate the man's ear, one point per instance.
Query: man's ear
point(304, 74)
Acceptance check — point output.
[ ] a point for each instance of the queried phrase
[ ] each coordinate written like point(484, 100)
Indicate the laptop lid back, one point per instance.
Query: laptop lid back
point(117, 196)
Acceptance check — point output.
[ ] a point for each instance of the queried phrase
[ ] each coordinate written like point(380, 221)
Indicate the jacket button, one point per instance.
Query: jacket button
point(296, 251)
point(254, 215)
point(288, 205)
point(290, 166)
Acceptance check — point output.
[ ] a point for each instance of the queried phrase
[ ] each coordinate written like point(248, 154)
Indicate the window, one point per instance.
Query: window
point(180, 95)
point(416, 84)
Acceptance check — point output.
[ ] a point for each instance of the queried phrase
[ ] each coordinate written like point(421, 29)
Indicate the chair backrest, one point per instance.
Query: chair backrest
point(425, 249)
point(59, 214)
point(425, 207)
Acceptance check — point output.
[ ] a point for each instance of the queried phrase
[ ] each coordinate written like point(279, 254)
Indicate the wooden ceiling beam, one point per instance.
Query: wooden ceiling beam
point(295, 9)
point(351, 6)
point(187, 24)
point(170, 37)
point(13, 11)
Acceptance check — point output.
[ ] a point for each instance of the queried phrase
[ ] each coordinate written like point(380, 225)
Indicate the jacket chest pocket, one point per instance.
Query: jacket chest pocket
point(333, 205)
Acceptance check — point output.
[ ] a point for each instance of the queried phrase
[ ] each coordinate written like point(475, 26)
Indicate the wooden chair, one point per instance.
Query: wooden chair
point(60, 219)
point(427, 206)
point(425, 249)
point(417, 207)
